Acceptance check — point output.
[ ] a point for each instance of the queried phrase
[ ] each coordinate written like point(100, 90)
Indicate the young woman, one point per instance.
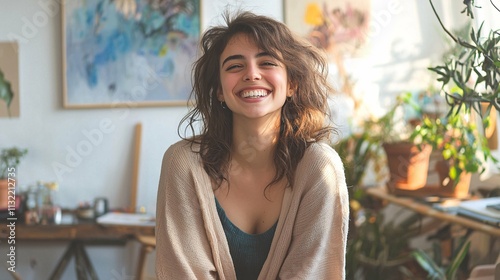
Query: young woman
point(257, 194)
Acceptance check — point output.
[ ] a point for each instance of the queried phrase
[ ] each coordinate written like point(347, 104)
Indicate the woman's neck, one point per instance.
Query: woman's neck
point(254, 142)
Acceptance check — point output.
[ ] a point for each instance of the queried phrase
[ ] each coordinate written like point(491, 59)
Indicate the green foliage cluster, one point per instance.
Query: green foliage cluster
point(477, 59)
point(433, 263)
point(459, 142)
point(10, 158)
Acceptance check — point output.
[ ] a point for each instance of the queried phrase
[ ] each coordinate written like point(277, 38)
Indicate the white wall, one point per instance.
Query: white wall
point(404, 42)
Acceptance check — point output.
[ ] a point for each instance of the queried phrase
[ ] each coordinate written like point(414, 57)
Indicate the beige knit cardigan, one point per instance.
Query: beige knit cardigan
point(310, 238)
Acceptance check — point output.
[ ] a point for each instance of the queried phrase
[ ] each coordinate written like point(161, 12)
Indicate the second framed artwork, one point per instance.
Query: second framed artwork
point(339, 27)
point(128, 53)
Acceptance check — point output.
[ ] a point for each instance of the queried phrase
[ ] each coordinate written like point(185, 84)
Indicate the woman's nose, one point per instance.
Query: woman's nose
point(252, 74)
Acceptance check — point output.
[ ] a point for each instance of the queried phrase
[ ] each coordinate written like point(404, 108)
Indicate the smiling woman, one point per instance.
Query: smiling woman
point(257, 193)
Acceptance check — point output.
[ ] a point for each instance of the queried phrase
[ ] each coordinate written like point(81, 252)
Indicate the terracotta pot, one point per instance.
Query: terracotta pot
point(444, 188)
point(491, 132)
point(447, 186)
point(408, 165)
point(4, 193)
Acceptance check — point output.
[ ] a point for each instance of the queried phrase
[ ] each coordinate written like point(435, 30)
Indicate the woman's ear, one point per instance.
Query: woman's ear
point(220, 95)
point(292, 88)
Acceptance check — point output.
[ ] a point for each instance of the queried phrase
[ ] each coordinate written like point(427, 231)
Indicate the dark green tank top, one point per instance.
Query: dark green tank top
point(248, 251)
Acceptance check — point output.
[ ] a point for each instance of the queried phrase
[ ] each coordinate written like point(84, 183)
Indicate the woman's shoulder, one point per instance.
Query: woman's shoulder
point(181, 150)
point(322, 152)
point(320, 160)
point(320, 166)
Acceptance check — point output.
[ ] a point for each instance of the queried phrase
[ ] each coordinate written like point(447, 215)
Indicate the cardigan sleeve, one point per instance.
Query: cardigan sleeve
point(318, 245)
point(182, 248)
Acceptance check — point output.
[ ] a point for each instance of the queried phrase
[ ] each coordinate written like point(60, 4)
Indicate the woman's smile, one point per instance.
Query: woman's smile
point(254, 94)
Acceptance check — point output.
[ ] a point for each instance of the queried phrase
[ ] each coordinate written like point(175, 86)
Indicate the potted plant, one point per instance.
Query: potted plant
point(6, 93)
point(407, 143)
point(9, 160)
point(380, 248)
point(463, 151)
point(407, 162)
point(470, 78)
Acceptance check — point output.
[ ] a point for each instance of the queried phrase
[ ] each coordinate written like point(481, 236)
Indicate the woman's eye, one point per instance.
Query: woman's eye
point(269, 63)
point(234, 66)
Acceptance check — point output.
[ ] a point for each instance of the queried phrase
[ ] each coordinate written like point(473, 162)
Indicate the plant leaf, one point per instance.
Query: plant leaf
point(457, 260)
point(5, 90)
point(428, 264)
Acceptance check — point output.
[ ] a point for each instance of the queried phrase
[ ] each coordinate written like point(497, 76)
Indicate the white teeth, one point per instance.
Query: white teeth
point(254, 94)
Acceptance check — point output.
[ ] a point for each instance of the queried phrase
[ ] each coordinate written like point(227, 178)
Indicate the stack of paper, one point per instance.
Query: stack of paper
point(129, 219)
point(481, 209)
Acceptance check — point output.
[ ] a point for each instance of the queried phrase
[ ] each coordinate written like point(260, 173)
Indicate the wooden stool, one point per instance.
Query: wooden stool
point(148, 244)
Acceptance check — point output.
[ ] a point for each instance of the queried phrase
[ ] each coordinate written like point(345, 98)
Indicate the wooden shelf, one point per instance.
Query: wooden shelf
point(426, 210)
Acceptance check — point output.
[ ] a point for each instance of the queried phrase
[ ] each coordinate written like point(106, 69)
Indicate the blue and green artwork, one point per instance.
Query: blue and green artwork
point(129, 52)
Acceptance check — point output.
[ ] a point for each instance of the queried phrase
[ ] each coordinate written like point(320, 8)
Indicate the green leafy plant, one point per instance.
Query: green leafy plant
point(455, 136)
point(394, 148)
point(6, 93)
point(474, 69)
point(380, 249)
point(366, 221)
point(433, 263)
point(356, 151)
point(9, 158)
point(457, 139)
point(470, 77)
point(394, 126)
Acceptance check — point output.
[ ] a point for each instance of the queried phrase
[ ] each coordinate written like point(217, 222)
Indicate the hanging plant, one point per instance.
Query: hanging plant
point(474, 70)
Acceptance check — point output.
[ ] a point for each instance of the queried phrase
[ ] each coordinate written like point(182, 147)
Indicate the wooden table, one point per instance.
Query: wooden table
point(427, 210)
point(78, 235)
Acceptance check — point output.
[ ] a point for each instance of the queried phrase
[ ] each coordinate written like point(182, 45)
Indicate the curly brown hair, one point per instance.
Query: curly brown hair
point(303, 116)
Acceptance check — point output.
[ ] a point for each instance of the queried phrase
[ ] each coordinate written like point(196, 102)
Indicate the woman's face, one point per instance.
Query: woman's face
point(253, 83)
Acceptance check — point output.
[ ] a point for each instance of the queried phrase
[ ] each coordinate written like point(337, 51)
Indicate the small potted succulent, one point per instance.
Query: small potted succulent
point(9, 160)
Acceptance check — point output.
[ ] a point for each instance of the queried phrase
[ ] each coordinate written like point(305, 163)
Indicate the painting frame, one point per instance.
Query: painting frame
point(9, 80)
point(149, 61)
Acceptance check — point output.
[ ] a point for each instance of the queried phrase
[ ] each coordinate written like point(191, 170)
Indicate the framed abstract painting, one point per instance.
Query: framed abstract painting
point(128, 53)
